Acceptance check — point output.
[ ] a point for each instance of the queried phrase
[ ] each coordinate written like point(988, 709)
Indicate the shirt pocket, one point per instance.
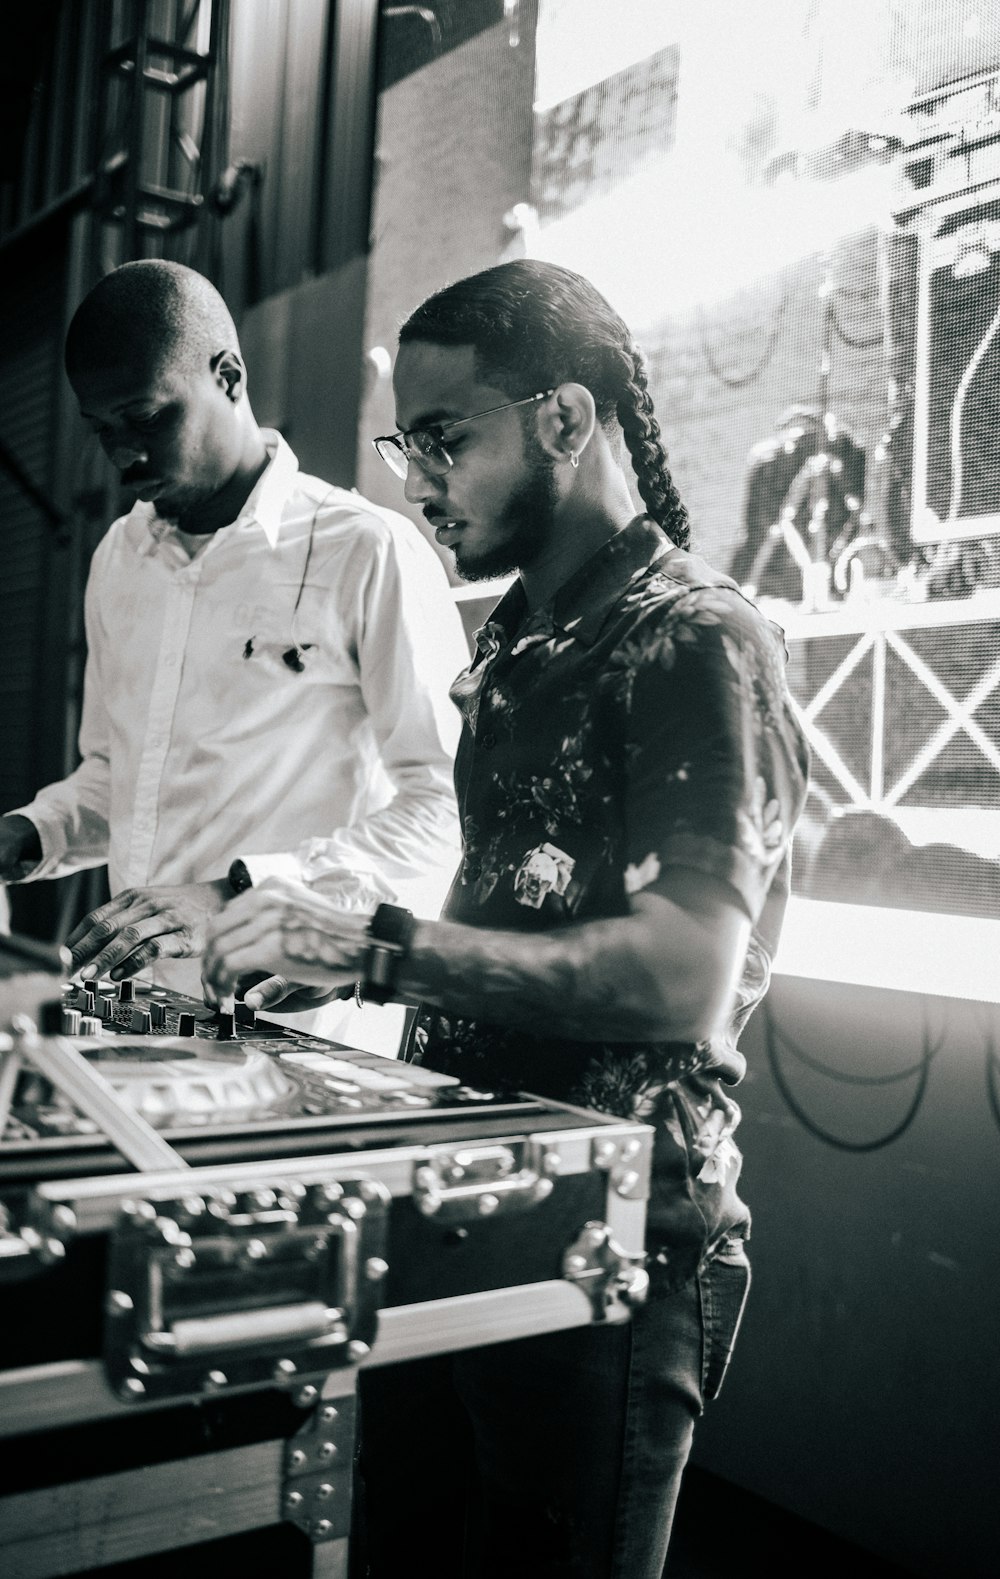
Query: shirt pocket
point(298, 632)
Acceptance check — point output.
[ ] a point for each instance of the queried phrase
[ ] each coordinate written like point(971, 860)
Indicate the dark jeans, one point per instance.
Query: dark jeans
point(548, 1457)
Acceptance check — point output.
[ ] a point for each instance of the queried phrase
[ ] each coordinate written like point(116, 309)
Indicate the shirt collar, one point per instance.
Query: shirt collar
point(264, 507)
point(582, 604)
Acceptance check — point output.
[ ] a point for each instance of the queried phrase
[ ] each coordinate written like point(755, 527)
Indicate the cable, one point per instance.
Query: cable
point(741, 380)
point(856, 343)
point(921, 1069)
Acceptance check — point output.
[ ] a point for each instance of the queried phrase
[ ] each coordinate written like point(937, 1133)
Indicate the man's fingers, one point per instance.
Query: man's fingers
point(306, 943)
point(165, 945)
point(245, 949)
point(102, 919)
point(115, 957)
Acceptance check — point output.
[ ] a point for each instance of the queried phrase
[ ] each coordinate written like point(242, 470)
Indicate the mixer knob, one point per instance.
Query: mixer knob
point(106, 1006)
point(126, 991)
point(226, 1026)
point(50, 1018)
point(185, 1025)
point(157, 1015)
point(71, 1022)
point(141, 1022)
point(90, 991)
point(90, 1025)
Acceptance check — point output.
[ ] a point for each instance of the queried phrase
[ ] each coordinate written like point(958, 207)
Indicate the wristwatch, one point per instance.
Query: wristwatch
point(391, 932)
point(239, 877)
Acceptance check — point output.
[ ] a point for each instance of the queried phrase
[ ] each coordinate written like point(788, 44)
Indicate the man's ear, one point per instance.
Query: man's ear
point(567, 421)
point(229, 369)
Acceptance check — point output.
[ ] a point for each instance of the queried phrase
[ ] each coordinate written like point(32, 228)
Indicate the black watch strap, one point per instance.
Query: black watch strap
point(391, 931)
point(239, 877)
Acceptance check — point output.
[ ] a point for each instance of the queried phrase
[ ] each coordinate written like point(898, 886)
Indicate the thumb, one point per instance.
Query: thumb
point(267, 993)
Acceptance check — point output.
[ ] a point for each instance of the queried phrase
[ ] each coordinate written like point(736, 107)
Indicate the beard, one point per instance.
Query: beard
point(526, 522)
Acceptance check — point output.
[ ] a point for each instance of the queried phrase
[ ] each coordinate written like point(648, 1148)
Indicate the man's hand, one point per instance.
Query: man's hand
point(19, 842)
point(144, 924)
point(293, 933)
point(258, 990)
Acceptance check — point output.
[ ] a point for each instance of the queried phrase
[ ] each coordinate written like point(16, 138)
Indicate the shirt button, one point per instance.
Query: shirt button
point(487, 741)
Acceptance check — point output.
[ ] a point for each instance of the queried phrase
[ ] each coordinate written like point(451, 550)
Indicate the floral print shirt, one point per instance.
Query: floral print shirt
point(639, 720)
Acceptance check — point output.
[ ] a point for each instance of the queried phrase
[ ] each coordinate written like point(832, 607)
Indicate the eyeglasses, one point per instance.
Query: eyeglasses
point(427, 447)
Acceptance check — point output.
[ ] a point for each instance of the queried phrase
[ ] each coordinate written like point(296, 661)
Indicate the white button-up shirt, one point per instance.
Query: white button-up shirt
point(201, 743)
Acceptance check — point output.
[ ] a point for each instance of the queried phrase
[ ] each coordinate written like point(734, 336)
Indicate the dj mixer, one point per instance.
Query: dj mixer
point(198, 1074)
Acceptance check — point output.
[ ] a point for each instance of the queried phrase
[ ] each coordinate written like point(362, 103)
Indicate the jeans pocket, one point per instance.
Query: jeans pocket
point(723, 1285)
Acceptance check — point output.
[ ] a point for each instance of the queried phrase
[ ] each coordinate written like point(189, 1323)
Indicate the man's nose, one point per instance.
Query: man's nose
point(124, 452)
point(419, 486)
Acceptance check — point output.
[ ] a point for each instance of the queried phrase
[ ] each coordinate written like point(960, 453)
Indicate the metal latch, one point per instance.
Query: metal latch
point(214, 1289)
point(606, 1273)
point(457, 1184)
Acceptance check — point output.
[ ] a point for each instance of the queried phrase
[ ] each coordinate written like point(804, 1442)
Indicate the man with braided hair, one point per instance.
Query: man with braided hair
point(629, 776)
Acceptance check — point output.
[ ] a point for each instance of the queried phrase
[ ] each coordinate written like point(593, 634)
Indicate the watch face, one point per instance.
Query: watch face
point(392, 924)
point(239, 877)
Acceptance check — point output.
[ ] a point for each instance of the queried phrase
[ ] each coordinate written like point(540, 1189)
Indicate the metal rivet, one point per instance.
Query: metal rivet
point(328, 1414)
point(323, 1491)
point(375, 1268)
point(293, 1501)
point(322, 1528)
point(185, 1257)
point(63, 1217)
point(296, 1458)
point(131, 1387)
point(216, 1379)
point(283, 1369)
point(255, 1250)
point(356, 1350)
point(627, 1182)
point(326, 1452)
point(118, 1302)
point(55, 1248)
point(488, 1204)
point(306, 1396)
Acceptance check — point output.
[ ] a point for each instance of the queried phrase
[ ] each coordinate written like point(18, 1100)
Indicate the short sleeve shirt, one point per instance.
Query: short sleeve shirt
point(637, 722)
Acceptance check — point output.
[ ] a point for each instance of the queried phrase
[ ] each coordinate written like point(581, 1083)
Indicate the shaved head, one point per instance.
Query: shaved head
point(154, 312)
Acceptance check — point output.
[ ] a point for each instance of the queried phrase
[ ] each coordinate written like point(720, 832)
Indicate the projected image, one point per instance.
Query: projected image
point(799, 215)
point(824, 346)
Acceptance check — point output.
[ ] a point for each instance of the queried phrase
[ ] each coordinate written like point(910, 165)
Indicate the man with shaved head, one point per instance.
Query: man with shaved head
point(268, 662)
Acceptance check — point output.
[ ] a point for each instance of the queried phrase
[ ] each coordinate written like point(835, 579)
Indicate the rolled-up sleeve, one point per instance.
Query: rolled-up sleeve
point(72, 816)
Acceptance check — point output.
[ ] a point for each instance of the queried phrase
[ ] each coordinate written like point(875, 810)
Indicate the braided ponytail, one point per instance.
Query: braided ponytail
point(657, 488)
point(534, 325)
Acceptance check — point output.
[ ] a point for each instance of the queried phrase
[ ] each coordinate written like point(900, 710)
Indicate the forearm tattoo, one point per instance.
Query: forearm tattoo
point(587, 983)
